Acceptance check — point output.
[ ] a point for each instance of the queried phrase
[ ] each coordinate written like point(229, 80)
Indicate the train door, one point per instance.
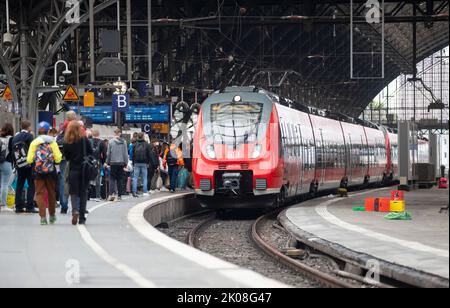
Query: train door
point(349, 159)
point(323, 159)
point(300, 159)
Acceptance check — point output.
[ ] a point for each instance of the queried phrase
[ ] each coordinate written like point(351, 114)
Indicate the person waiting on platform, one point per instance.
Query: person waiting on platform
point(76, 148)
point(142, 158)
point(6, 159)
point(173, 158)
point(44, 155)
point(117, 159)
point(21, 146)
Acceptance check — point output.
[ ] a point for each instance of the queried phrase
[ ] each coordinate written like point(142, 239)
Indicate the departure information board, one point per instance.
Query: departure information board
point(98, 114)
point(148, 114)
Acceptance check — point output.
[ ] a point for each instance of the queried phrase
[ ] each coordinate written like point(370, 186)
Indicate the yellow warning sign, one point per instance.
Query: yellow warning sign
point(71, 94)
point(7, 94)
point(89, 99)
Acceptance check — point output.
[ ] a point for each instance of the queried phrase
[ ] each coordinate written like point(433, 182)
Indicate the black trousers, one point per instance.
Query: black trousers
point(117, 176)
point(25, 174)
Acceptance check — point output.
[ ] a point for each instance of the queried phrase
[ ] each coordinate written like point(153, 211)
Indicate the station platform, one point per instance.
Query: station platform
point(117, 248)
point(416, 251)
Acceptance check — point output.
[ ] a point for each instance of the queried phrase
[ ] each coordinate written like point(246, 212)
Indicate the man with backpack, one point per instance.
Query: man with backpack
point(21, 144)
point(142, 158)
point(44, 153)
point(117, 159)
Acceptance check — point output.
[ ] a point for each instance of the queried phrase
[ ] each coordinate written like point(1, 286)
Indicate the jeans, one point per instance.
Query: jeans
point(173, 173)
point(25, 174)
point(5, 176)
point(61, 183)
point(98, 184)
point(79, 205)
point(46, 187)
point(140, 170)
point(116, 178)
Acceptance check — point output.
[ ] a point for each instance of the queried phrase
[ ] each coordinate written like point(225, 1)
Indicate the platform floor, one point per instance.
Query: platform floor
point(115, 249)
point(422, 243)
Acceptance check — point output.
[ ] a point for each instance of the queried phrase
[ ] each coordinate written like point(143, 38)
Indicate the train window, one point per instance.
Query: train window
point(236, 123)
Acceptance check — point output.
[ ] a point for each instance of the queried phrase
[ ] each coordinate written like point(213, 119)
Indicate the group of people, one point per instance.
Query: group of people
point(75, 164)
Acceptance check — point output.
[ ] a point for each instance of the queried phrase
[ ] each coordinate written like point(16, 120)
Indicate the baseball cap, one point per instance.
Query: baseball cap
point(45, 126)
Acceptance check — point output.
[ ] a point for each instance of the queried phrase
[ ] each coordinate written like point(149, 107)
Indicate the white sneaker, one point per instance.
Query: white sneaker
point(112, 198)
point(152, 191)
point(145, 195)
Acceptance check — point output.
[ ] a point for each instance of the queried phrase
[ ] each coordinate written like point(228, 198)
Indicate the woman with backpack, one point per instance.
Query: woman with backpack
point(76, 148)
point(44, 155)
point(6, 159)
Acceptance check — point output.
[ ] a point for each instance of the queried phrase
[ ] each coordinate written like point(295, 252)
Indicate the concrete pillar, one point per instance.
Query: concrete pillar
point(433, 152)
point(404, 158)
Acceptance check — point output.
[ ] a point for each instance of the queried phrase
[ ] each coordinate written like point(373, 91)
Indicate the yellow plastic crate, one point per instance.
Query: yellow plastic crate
point(398, 206)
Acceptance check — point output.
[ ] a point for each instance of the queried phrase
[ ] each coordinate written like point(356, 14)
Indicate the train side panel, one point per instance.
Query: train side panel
point(356, 153)
point(298, 150)
point(376, 154)
point(330, 152)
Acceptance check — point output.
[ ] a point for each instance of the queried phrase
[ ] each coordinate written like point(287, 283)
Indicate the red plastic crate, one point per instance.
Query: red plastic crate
point(397, 195)
point(378, 205)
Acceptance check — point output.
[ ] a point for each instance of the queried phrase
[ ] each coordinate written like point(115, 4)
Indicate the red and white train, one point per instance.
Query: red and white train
point(250, 150)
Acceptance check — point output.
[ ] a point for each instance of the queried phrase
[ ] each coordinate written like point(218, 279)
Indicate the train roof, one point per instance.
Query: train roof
point(246, 91)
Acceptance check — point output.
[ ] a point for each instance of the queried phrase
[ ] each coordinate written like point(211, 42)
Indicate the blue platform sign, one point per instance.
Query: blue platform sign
point(121, 102)
point(143, 114)
point(98, 114)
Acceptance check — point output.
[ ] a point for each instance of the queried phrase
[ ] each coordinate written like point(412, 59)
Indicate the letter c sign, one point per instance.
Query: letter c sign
point(121, 102)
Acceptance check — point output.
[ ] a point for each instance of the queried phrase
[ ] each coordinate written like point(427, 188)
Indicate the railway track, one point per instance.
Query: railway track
point(322, 278)
point(309, 271)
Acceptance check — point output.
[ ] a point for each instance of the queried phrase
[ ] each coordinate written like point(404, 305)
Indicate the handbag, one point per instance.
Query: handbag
point(89, 166)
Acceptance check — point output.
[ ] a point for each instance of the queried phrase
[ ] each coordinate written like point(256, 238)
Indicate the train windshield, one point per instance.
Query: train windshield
point(236, 123)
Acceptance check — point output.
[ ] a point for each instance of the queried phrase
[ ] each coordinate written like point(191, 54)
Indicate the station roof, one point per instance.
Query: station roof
point(296, 48)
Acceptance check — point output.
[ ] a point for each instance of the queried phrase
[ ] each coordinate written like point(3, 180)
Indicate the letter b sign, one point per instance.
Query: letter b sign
point(121, 102)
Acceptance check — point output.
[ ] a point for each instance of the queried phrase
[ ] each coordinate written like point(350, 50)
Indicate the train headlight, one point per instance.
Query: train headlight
point(256, 152)
point(211, 152)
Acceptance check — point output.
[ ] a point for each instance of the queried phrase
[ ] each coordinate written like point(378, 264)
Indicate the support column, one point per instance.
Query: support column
point(433, 152)
point(150, 46)
point(404, 160)
point(91, 40)
point(129, 47)
point(24, 75)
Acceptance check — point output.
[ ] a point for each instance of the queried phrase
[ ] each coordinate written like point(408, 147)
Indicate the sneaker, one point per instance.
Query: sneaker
point(33, 211)
point(152, 191)
point(52, 220)
point(82, 222)
point(119, 198)
point(20, 211)
point(86, 211)
point(64, 211)
point(135, 196)
point(44, 222)
point(146, 195)
point(111, 198)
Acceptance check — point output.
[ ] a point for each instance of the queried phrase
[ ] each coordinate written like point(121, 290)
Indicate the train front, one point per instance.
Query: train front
point(236, 161)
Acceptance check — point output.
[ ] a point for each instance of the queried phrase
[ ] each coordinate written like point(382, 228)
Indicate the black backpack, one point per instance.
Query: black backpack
point(171, 160)
point(90, 165)
point(20, 151)
point(140, 152)
point(96, 148)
